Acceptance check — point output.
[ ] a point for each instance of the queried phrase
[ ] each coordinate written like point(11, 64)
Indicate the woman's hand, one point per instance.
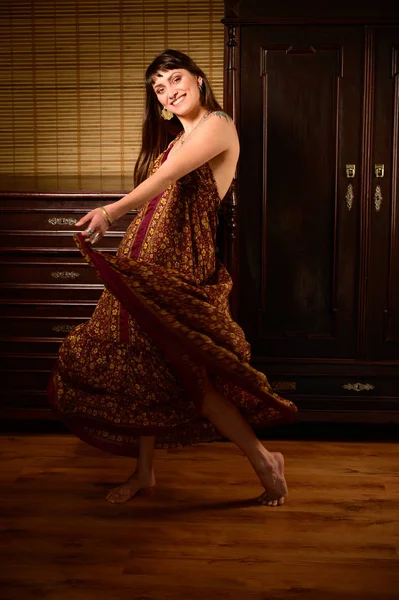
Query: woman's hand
point(96, 225)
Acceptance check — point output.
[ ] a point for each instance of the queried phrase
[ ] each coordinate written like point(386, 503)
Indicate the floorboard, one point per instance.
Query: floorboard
point(201, 534)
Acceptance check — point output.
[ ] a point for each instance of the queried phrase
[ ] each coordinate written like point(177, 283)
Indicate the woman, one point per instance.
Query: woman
point(161, 363)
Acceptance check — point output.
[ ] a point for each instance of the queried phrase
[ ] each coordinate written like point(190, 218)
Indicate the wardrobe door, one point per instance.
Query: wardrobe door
point(300, 126)
point(383, 291)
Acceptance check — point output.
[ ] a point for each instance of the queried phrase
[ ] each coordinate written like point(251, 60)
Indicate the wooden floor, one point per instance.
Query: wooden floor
point(200, 535)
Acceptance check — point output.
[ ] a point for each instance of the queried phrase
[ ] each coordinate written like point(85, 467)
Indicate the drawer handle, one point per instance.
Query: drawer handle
point(65, 274)
point(378, 198)
point(284, 386)
point(62, 328)
point(349, 196)
point(358, 387)
point(62, 221)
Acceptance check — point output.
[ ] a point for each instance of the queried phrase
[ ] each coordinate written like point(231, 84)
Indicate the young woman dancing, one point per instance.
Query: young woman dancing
point(161, 363)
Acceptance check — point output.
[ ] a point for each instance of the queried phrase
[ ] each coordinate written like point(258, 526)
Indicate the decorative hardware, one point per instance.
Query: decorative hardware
point(378, 198)
point(231, 72)
point(358, 387)
point(65, 274)
point(62, 328)
point(62, 221)
point(304, 50)
point(379, 170)
point(350, 171)
point(284, 386)
point(350, 196)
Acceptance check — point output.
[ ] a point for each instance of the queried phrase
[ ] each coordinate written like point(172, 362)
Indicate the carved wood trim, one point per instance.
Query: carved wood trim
point(235, 21)
point(334, 285)
point(231, 95)
point(231, 9)
point(365, 189)
point(265, 121)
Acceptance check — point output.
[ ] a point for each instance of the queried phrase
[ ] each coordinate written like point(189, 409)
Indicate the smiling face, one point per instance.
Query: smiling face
point(177, 90)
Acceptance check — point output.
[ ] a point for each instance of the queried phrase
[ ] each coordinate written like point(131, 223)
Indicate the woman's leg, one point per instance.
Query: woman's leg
point(269, 466)
point(225, 416)
point(146, 455)
point(142, 478)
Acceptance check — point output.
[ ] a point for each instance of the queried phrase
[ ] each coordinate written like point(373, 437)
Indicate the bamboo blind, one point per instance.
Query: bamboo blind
point(72, 77)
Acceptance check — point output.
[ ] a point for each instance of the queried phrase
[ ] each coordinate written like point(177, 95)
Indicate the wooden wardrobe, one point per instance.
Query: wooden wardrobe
point(314, 217)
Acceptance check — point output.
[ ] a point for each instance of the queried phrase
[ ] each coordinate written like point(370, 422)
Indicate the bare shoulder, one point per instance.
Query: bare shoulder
point(221, 124)
point(221, 120)
point(219, 114)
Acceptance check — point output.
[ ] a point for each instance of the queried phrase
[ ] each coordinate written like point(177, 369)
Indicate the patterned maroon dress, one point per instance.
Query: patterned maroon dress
point(162, 324)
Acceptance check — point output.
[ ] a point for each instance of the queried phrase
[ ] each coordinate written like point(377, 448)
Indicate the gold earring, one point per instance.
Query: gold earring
point(166, 114)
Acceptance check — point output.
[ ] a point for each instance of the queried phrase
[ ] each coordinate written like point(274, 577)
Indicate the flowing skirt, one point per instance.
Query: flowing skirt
point(139, 365)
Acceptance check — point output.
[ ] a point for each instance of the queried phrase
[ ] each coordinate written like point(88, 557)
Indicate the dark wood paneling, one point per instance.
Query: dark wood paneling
point(383, 289)
point(301, 111)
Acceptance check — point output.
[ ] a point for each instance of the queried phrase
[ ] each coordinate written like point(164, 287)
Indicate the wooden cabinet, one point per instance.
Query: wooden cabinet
point(316, 101)
point(382, 313)
point(46, 286)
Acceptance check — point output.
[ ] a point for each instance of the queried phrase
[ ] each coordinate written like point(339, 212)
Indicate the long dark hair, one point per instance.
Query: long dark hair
point(157, 133)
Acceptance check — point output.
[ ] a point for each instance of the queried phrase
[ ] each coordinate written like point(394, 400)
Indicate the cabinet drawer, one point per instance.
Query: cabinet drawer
point(45, 319)
point(19, 308)
point(339, 387)
point(16, 346)
point(20, 362)
point(50, 278)
point(24, 389)
point(14, 401)
point(24, 220)
point(47, 241)
point(38, 326)
point(48, 271)
point(34, 381)
point(55, 292)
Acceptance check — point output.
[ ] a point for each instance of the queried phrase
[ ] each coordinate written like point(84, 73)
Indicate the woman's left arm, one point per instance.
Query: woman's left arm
point(214, 136)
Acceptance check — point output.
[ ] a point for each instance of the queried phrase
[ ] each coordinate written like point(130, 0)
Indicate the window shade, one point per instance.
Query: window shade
point(72, 77)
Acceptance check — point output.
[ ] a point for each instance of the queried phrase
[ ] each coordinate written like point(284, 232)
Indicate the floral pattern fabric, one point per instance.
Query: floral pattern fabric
point(161, 327)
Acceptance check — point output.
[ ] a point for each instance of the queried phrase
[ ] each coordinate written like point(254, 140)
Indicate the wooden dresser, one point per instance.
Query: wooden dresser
point(46, 286)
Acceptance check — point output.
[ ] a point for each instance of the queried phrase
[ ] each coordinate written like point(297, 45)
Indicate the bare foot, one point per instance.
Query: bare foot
point(131, 487)
point(270, 470)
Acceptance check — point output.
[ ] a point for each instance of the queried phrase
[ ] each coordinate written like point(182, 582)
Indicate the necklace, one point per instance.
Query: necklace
point(183, 138)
